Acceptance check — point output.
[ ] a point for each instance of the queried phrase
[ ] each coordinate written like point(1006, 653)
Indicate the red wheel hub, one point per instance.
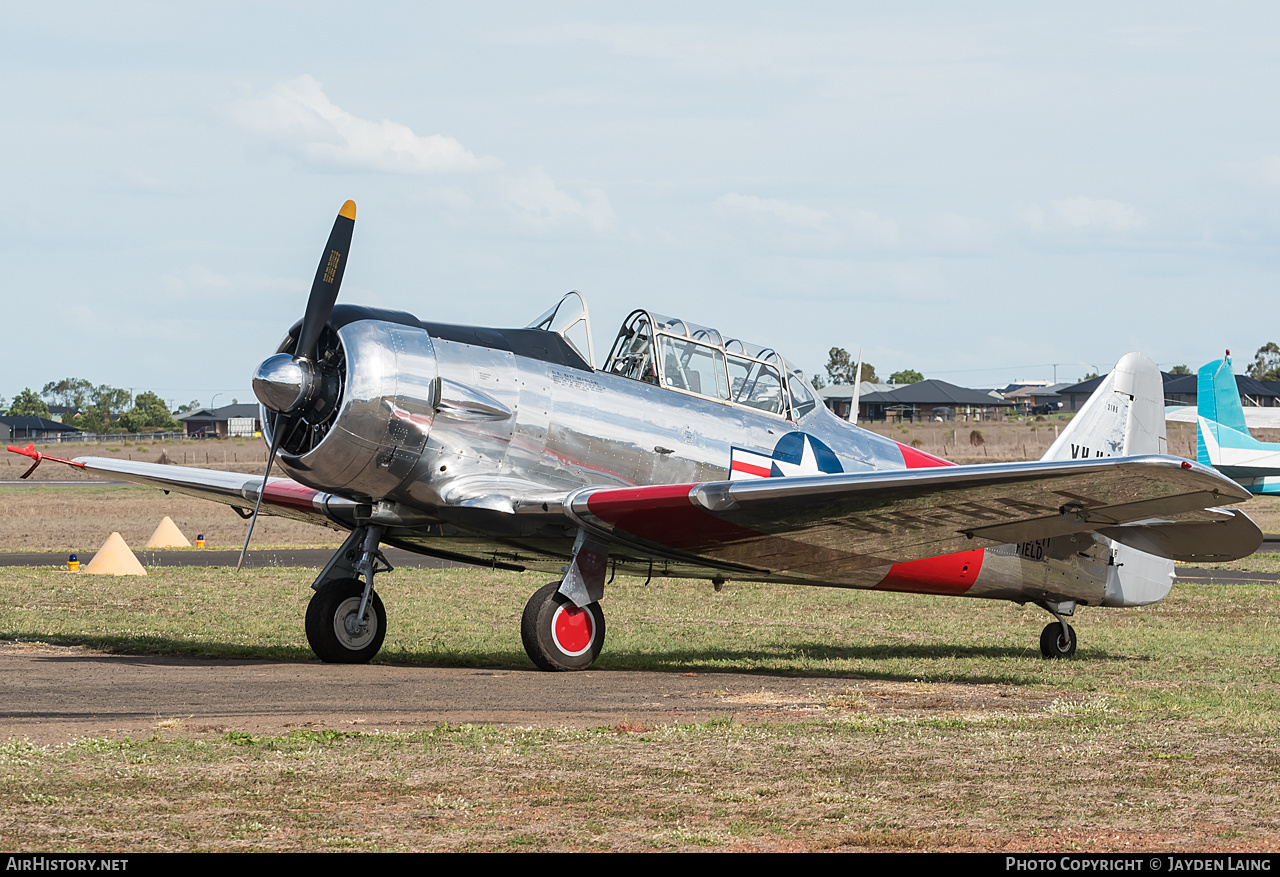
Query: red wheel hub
point(573, 629)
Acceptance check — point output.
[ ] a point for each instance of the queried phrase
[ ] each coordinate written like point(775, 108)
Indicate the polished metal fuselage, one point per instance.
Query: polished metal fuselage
point(456, 448)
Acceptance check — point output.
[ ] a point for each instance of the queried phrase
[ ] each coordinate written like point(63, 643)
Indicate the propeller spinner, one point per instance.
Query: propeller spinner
point(285, 383)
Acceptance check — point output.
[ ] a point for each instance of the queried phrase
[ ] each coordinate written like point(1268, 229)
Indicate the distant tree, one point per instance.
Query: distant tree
point(28, 403)
point(1088, 376)
point(818, 382)
point(840, 367)
point(109, 400)
point(190, 406)
point(1179, 370)
point(1266, 364)
point(92, 421)
point(906, 376)
point(69, 392)
point(148, 414)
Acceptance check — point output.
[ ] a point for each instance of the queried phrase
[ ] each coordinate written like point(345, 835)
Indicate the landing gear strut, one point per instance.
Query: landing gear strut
point(346, 622)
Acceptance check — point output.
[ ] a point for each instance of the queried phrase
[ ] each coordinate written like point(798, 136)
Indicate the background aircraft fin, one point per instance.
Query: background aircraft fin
point(1123, 418)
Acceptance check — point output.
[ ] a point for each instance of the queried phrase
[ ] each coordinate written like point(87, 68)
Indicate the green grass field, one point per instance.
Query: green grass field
point(1159, 735)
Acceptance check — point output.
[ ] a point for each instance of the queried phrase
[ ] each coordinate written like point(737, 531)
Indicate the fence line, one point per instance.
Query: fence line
point(97, 438)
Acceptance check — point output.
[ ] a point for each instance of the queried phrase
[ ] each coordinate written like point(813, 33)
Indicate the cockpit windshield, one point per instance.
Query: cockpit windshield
point(569, 319)
point(698, 360)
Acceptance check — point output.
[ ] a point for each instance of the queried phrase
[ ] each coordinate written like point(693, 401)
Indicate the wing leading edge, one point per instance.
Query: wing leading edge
point(829, 528)
point(283, 497)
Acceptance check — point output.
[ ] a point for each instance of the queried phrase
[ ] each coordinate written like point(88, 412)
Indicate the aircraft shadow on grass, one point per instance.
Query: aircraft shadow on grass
point(160, 650)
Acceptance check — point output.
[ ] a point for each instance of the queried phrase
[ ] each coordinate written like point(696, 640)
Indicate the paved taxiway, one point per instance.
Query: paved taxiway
point(54, 694)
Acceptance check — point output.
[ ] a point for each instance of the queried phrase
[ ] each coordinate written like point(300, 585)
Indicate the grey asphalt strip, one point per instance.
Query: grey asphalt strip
point(1194, 576)
point(257, 559)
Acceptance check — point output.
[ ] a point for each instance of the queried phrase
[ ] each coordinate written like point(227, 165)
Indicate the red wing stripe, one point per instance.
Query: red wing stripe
point(665, 515)
point(291, 495)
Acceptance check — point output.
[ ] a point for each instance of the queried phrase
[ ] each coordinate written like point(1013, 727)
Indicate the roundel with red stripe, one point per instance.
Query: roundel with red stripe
point(796, 453)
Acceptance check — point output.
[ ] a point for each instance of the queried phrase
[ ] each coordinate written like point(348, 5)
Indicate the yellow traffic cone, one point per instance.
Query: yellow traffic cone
point(167, 535)
point(114, 559)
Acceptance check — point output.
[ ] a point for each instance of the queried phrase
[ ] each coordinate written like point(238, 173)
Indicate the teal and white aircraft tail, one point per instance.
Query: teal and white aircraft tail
point(1223, 441)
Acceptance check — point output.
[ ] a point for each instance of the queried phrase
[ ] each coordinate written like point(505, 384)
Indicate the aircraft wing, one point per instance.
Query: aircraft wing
point(820, 527)
point(283, 496)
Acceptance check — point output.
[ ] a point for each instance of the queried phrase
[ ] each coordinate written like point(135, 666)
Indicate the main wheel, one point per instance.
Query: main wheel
point(557, 634)
point(334, 632)
point(1054, 645)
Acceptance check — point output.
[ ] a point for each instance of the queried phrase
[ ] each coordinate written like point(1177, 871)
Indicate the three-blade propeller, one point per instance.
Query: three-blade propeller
point(284, 383)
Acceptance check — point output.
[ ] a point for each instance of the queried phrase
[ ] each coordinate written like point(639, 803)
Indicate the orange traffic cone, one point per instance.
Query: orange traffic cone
point(114, 559)
point(167, 535)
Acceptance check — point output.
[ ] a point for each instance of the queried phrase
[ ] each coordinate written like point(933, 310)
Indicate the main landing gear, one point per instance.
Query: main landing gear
point(346, 622)
point(1058, 639)
point(563, 624)
point(558, 635)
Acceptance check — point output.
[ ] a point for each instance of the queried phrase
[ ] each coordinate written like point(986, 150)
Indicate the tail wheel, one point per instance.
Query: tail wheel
point(335, 633)
point(1055, 644)
point(558, 635)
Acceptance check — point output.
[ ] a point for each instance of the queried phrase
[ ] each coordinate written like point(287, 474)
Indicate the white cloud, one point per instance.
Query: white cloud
point(1080, 213)
point(957, 231)
point(539, 203)
point(1083, 212)
point(874, 228)
point(1268, 170)
point(300, 115)
point(1031, 214)
point(796, 215)
point(197, 278)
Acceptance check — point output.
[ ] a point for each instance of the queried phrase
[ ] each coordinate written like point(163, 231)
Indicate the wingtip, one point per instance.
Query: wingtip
point(348, 210)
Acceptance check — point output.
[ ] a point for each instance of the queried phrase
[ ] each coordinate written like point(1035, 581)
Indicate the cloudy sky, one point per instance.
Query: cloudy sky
point(975, 191)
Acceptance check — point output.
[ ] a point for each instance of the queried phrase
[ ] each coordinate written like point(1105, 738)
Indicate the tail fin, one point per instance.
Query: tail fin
point(1220, 415)
point(1223, 441)
point(1124, 417)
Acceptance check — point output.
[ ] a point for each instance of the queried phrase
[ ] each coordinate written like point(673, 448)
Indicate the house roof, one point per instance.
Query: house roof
point(936, 392)
point(1034, 392)
point(29, 422)
point(845, 391)
point(1182, 385)
point(226, 412)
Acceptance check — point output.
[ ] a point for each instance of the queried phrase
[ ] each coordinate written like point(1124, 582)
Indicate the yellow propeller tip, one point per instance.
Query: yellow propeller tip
point(348, 210)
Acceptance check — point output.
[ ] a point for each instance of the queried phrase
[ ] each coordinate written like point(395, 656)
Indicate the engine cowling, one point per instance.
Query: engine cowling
point(364, 427)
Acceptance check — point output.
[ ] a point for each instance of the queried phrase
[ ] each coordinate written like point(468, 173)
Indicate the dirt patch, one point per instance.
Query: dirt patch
point(81, 519)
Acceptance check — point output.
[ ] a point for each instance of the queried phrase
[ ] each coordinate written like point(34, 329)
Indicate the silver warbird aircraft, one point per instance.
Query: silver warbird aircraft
point(687, 454)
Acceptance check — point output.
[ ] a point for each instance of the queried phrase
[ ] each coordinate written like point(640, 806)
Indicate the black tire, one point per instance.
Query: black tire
point(1052, 643)
point(550, 617)
point(326, 630)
